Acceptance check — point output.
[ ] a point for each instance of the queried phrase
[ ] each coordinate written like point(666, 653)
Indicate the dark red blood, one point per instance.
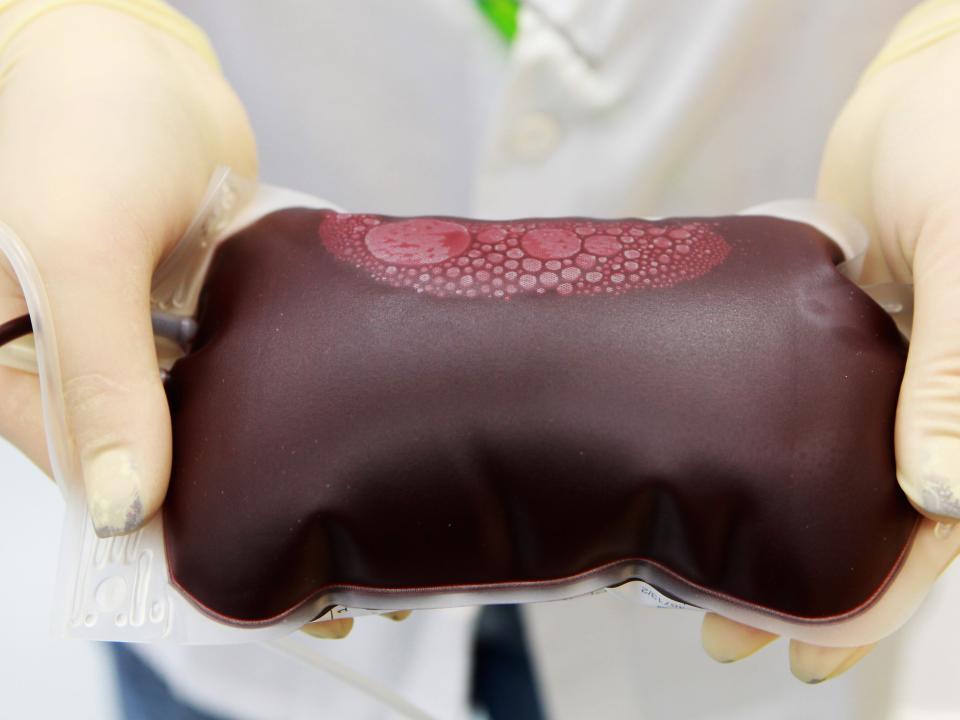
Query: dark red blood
point(338, 437)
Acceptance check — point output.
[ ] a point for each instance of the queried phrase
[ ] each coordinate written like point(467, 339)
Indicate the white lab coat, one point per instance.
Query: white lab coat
point(600, 107)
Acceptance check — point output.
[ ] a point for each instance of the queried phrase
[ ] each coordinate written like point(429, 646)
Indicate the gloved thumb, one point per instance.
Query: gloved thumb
point(928, 415)
point(116, 408)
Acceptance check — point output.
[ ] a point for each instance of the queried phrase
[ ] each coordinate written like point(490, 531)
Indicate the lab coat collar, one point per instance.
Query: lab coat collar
point(592, 28)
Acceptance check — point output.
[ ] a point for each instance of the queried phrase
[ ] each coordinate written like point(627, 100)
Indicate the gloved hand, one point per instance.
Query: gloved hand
point(110, 129)
point(893, 159)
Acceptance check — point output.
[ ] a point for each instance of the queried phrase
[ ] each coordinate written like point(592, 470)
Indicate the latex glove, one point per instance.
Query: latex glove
point(109, 131)
point(893, 159)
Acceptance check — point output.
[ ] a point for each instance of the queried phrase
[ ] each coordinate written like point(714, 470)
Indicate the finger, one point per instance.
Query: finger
point(329, 629)
point(21, 417)
point(728, 641)
point(398, 616)
point(928, 415)
point(814, 664)
point(114, 400)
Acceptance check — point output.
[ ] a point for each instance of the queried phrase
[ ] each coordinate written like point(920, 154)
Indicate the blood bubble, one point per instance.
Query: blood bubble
point(550, 243)
point(422, 241)
point(586, 261)
point(491, 235)
point(602, 245)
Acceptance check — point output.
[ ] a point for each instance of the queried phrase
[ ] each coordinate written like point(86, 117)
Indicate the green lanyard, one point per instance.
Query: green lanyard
point(502, 14)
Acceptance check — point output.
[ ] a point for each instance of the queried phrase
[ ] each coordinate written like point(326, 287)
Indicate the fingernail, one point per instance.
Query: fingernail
point(399, 615)
point(851, 660)
point(937, 496)
point(727, 641)
point(826, 663)
point(113, 492)
point(932, 483)
point(329, 629)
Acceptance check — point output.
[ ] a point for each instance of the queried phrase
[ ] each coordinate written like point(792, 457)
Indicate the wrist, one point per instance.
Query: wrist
point(18, 17)
point(930, 24)
point(81, 49)
point(101, 106)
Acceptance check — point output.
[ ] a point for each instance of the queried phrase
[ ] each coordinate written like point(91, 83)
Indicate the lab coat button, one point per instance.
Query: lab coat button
point(535, 135)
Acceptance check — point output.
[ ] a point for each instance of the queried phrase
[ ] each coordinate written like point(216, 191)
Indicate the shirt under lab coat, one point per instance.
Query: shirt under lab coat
point(599, 107)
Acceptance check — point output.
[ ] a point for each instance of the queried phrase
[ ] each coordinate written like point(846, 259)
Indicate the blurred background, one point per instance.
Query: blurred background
point(41, 676)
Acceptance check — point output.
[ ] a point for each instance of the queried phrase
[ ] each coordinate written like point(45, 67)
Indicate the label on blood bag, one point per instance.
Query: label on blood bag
point(640, 592)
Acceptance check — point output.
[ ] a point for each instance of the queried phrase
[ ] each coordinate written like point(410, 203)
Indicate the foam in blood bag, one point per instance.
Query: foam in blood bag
point(474, 258)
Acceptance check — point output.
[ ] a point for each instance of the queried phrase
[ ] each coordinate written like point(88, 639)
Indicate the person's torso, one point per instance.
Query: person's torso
point(605, 108)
